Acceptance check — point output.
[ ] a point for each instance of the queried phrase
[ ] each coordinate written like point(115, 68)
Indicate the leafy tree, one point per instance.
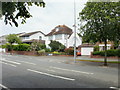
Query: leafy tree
point(56, 46)
point(17, 10)
point(102, 22)
point(36, 46)
point(12, 38)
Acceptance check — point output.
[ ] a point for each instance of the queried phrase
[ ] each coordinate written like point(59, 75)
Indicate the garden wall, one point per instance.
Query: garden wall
point(34, 53)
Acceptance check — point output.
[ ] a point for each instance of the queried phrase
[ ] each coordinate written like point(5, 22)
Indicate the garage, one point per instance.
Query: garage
point(86, 49)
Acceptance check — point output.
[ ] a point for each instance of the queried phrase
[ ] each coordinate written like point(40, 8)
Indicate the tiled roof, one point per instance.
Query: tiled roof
point(31, 33)
point(60, 29)
point(86, 45)
point(34, 40)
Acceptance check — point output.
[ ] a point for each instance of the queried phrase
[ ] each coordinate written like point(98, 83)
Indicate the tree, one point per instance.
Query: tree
point(102, 22)
point(12, 38)
point(56, 46)
point(17, 10)
point(36, 46)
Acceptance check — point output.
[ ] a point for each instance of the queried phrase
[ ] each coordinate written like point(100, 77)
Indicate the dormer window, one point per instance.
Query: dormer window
point(57, 29)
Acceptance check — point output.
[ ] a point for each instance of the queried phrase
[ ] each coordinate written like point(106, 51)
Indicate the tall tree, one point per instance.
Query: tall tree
point(102, 22)
point(12, 38)
point(17, 10)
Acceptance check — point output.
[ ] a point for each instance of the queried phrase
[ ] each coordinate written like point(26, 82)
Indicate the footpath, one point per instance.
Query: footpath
point(87, 58)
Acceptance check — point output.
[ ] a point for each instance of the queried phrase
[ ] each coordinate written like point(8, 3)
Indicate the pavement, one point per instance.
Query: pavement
point(98, 59)
point(22, 71)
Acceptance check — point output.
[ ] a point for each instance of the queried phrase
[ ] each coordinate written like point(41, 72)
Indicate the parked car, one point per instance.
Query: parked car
point(78, 53)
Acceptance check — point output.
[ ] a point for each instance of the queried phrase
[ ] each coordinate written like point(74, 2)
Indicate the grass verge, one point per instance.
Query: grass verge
point(98, 61)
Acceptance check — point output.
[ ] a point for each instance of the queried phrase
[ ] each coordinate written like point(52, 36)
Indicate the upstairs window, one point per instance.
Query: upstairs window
point(40, 37)
point(58, 37)
point(50, 37)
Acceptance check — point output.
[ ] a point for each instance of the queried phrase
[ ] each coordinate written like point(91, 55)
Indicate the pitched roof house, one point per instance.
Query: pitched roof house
point(64, 35)
point(30, 37)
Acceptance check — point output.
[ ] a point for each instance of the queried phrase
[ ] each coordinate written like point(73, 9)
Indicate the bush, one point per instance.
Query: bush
point(21, 47)
point(56, 46)
point(118, 52)
point(69, 51)
point(96, 53)
point(57, 53)
point(47, 50)
point(8, 46)
point(41, 52)
point(110, 52)
point(96, 48)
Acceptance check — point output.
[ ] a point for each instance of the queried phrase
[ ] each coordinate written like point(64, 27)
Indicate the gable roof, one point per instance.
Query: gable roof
point(31, 33)
point(60, 29)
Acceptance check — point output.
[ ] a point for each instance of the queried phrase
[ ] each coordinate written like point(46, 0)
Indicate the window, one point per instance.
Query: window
point(40, 37)
point(50, 37)
point(59, 36)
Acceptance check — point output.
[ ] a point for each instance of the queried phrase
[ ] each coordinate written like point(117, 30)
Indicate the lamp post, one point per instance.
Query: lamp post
point(74, 32)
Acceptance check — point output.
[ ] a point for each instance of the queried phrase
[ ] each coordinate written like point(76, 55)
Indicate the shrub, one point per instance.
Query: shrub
point(96, 53)
point(96, 48)
point(41, 52)
point(57, 53)
point(21, 47)
point(110, 52)
point(47, 50)
point(118, 52)
point(8, 46)
point(3, 46)
point(56, 46)
point(69, 51)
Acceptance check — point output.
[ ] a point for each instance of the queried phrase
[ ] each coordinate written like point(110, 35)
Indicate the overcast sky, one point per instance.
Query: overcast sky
point(56, 12)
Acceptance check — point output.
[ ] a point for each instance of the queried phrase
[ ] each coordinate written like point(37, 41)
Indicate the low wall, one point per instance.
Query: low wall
point(23, 52)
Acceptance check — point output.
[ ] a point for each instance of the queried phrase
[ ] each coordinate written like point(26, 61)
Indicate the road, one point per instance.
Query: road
point(21, 71)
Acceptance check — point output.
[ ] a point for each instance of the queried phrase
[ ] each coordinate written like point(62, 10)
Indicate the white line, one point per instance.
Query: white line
point(51, 75)
point(8, 64)
point(115, 88)
point(50, 70)
point(10, 61)
point(71, 70)
point(3, 86)
point(27, 62)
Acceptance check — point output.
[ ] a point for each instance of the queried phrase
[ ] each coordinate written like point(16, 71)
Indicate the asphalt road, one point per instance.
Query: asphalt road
point(20, 71)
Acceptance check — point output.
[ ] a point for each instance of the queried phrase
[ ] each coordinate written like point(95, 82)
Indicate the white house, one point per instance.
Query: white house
point(64, 35)
point(33, 36)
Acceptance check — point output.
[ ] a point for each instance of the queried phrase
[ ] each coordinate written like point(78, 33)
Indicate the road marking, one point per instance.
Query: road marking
point(71, 70)
point(27, 62)
point(115, 88)
point(50, 70)
point(10, 61)
point(4, 87)
point(51, 75)
point(8, 64)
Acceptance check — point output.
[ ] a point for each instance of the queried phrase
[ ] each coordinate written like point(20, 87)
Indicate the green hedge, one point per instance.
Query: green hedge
point(21, 47)
point(111, 52)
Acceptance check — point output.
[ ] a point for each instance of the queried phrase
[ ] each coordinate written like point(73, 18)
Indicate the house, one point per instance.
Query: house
point(86, 48)
point(102, 45)
point(30, 37)
point(64, 35)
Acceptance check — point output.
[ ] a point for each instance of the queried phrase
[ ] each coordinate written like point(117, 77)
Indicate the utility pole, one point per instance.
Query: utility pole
point(74, 32)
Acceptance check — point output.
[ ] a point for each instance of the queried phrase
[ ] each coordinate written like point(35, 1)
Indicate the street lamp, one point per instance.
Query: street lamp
point(74, 32)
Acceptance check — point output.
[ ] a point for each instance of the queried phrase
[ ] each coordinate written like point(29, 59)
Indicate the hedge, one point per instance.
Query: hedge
point(111, 52)
point(21, 47)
